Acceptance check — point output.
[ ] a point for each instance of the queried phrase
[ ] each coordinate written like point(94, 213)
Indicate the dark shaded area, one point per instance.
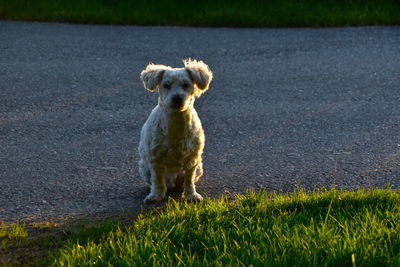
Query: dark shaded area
point(225, 13)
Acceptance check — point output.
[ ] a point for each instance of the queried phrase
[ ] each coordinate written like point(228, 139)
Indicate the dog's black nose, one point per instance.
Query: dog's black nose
point(177, 100)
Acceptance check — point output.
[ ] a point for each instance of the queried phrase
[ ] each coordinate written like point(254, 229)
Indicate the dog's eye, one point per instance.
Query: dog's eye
point(167, 86)
point(186, 85)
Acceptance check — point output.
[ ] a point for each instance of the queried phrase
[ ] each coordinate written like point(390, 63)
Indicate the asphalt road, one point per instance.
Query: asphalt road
point(287, 107)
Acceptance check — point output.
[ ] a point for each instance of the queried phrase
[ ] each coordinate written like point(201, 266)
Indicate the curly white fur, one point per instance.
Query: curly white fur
point(172, 139)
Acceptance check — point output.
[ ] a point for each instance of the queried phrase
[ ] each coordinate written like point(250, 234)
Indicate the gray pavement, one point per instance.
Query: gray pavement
point(287, 107)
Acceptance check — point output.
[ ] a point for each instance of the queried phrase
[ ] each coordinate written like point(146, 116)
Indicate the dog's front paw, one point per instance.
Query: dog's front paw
point(152, 198)
point(192, 197)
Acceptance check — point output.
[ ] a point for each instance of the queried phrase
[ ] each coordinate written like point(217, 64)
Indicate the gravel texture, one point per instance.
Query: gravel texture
point(287, 107)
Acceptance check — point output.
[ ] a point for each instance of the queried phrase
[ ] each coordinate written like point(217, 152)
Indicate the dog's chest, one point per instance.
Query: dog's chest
point(181, 142)
point(176, 141)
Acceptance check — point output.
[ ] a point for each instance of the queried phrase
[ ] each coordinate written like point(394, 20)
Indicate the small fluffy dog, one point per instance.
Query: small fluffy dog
point(172, 139)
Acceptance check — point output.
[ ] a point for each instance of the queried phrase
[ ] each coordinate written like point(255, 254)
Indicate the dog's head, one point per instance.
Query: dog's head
point(177, 87)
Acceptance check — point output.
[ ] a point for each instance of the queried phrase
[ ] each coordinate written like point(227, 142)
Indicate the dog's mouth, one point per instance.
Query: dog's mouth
point(177, 107)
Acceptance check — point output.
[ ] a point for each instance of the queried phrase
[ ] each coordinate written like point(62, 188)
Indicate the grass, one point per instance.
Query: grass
point(231, 13)
point(320, 228)
point(29, 244)
point(10, 236)
point(10, 233)
point(15, 231)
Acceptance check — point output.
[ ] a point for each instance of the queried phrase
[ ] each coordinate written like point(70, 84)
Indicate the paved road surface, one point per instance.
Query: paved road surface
point(313, 107)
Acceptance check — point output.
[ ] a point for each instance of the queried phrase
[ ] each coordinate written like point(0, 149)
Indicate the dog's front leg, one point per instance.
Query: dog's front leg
point(189, 191)
point(158, 187)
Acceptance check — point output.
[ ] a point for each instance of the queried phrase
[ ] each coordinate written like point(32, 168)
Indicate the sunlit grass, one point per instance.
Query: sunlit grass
point(14, 231)
point(44, 225)
point(321, 228)
point(242, 13)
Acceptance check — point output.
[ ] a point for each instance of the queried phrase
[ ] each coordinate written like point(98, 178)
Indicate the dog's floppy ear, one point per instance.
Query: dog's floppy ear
point(152, 75)
point(199, 72)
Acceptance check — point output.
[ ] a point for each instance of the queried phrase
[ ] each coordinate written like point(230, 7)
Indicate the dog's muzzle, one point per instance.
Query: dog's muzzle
point(177, 102)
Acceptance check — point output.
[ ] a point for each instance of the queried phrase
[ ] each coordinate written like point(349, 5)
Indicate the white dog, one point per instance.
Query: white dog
point(172, 139)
